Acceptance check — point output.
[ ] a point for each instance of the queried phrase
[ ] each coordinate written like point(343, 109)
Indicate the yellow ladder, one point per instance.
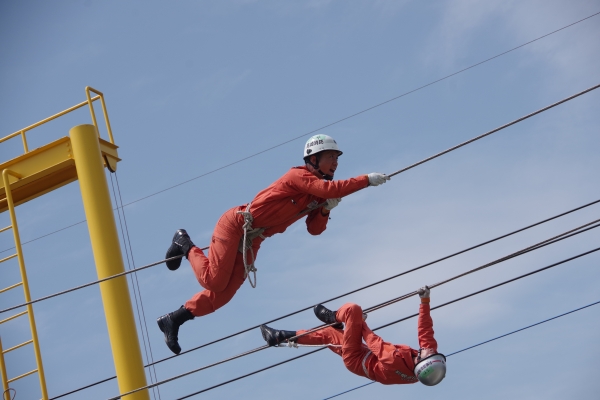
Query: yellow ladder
point(6, 177)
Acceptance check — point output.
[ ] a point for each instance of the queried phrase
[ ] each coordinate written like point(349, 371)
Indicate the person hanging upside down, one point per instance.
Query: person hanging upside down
point(377, 360)
point(307, 190)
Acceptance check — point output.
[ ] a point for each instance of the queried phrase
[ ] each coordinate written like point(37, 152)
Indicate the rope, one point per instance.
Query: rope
point(351, 292)
point(536, 246)
point(349, 390)
point(369, 108)
point(246, 244)
point(256, 350)
point(384, 326)
point(296, 345)
point(495, 130)
point(8, 391)
point(487, 341)
point(333, 123)
point(141, 315)
point(522, 329)
point(477, 137)
point(308, 210)
point(324, 326)
point(90, 284)
point(395, 173)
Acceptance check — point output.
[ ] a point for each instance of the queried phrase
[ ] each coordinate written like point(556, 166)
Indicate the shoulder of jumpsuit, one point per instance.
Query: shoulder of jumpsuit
point(272, 192)
point(296, 179)
point(406, 354)
point(286, 188)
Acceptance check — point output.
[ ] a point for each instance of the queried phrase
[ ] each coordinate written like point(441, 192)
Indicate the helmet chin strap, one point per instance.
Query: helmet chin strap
point(327, 177)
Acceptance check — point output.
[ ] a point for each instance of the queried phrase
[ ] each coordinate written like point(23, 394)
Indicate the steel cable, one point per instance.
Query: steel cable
point(388, 324)
point(330, 124)
point(482, 343)
point(207, 247)
point(347, 293)
point(536, 246)
point(395, 173)
point(370, 309)
point(135, 284)
point(304, 309)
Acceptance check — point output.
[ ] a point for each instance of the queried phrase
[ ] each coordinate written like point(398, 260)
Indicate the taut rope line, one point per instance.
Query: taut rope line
point(348, 293)
point(541, 110)
point(530, 248)
point(378, 328)
point(308, 210)
point(373, 308)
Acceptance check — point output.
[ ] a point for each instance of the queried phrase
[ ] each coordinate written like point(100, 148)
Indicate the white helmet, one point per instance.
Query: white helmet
point(319, 143)
point(431, 370)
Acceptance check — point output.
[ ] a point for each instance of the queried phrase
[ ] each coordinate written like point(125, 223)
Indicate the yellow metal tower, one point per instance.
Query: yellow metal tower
point(81, 155)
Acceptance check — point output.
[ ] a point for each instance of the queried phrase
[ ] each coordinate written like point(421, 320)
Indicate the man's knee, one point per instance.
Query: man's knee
point(354, 308)
point(215, 285)
point(348, 309)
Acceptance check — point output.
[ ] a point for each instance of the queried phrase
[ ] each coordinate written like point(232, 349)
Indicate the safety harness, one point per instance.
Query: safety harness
point(246, 243)
point(251, 233)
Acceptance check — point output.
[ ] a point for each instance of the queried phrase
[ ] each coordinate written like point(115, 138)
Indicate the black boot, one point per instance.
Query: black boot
point(169, 324)
point(273, 337)
point(327, 316)
point(182, 244)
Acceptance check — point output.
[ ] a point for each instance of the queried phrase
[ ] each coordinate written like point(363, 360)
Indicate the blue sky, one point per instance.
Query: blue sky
point(193, 86)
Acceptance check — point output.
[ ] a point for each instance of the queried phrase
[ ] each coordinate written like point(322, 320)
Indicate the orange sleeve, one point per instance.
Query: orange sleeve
point(425, 327)
point(316, 222)
point(308, 183)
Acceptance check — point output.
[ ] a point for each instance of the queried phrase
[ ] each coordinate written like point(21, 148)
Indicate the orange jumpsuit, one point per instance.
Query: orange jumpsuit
point(377, 360)
point(275, 208)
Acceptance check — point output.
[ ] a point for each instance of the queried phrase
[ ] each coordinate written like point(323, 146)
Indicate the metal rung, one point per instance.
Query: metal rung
point(8, 258)
point(22, 376)
point(11, 287)
point(17, 346)
point(13, 317)
point(5, 229)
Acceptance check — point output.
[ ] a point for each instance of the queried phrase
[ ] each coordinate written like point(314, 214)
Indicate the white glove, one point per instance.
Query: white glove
point(424, 292)
point(376, 179)
point(332, 203)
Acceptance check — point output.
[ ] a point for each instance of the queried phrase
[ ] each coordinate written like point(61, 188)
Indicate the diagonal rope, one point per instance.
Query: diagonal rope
point(333, 123)
point(372, 107)
point(395, 173)
point(536, 246)
point(386, 325)
point(351, 292)
point(295, 312)
point(367, 310)
point(541, 110)
point(135, 285)
point(482, 343)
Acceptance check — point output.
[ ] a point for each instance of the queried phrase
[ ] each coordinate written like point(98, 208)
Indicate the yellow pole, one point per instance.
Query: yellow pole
point(109, 261)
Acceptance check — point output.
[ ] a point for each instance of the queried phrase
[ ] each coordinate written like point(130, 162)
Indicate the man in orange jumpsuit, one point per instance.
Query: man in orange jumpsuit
point(377, 360)
point(308, 191)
